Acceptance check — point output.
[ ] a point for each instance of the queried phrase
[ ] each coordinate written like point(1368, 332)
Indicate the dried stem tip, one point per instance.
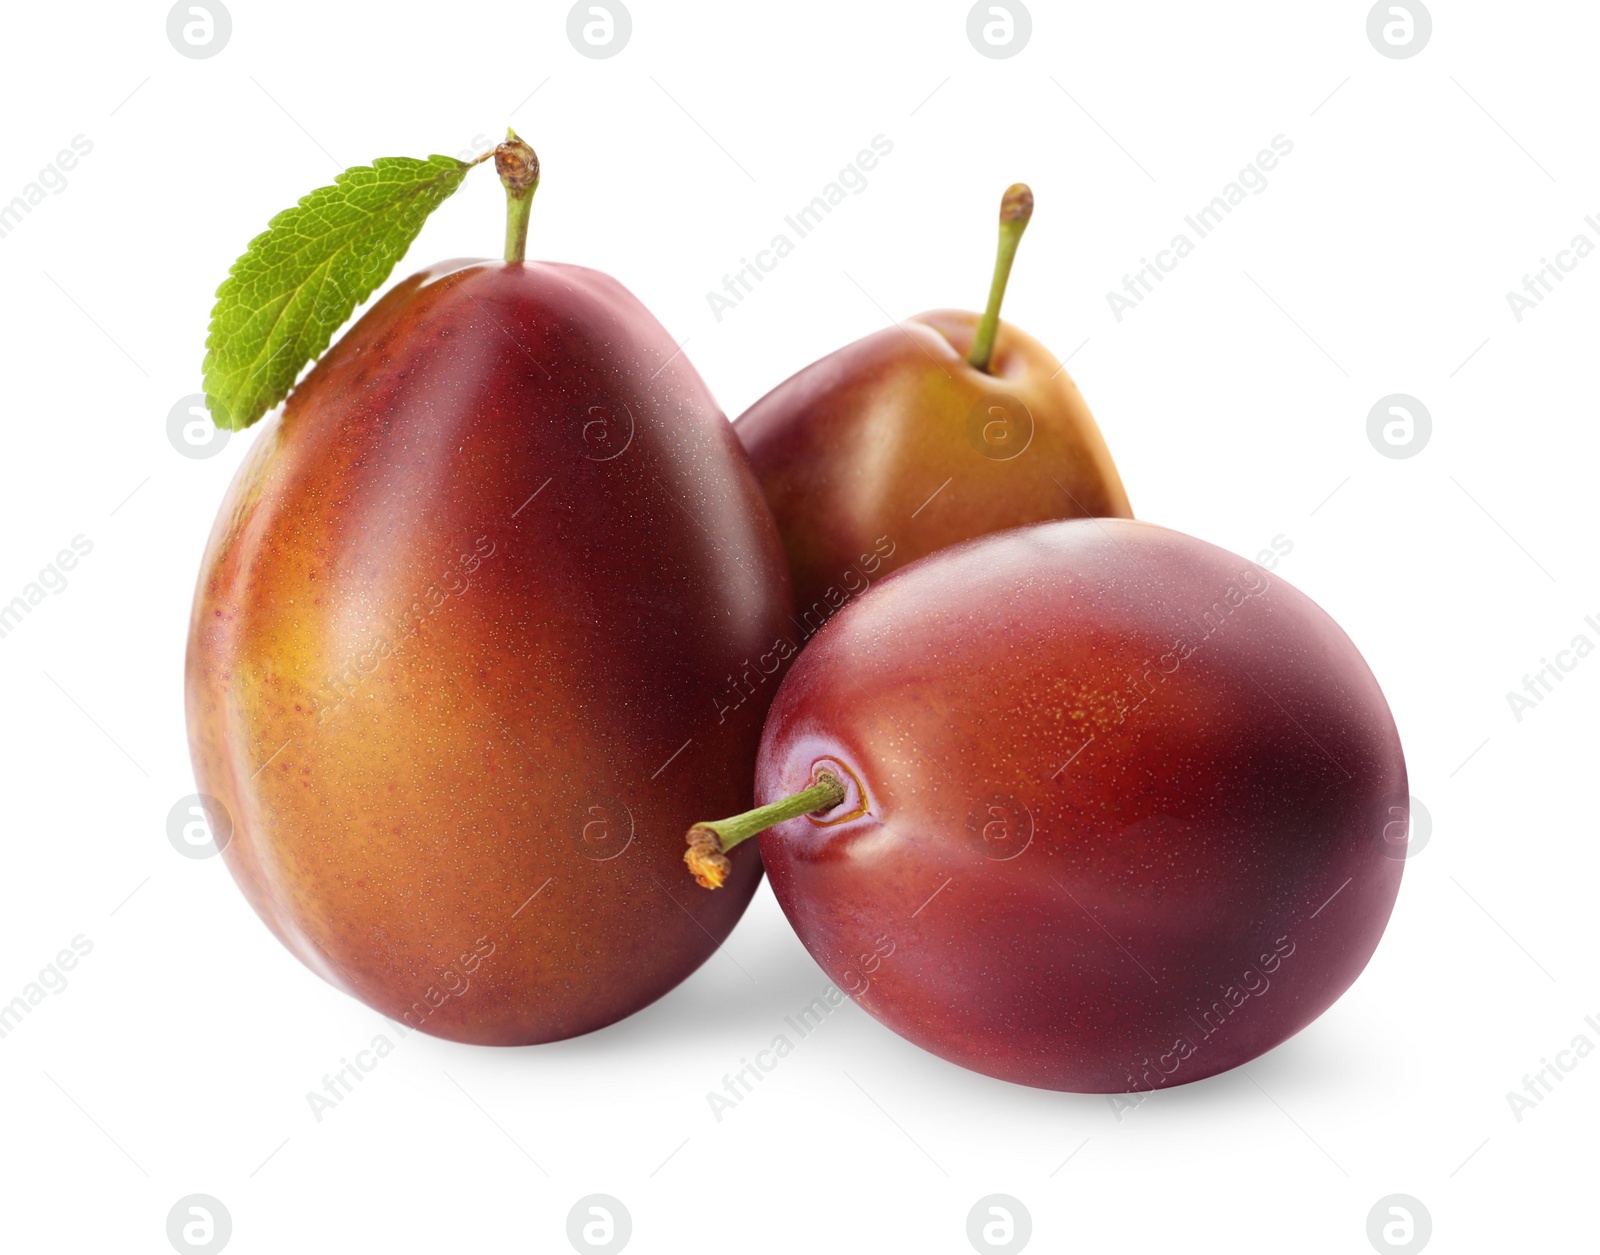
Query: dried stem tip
point(1017, 203)
point(705, 858)
point(518, 168)
point(517, 165)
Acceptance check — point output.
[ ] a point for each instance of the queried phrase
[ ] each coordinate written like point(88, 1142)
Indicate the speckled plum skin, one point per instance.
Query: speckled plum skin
point(1135, 808)
point(871, 456)
point(460, 648)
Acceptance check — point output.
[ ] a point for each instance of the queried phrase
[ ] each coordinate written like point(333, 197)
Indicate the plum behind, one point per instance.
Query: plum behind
point(872, 456)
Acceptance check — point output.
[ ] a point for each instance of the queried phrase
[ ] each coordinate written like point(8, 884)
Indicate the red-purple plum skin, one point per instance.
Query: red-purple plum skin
point(1135, 807)
point(458, 648)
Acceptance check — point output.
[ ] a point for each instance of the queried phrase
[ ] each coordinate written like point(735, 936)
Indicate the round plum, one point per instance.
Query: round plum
point(1088, 805)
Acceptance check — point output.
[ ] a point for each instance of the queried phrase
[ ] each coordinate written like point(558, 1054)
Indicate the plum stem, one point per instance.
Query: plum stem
point(1016, 207)
point(518, 167)
point(709, 843)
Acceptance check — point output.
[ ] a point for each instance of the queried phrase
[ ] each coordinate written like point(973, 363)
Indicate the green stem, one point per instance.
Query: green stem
point(518, 167)
point(823, 795)
point(709, 843)
point(1016, 207)
point(517, 214)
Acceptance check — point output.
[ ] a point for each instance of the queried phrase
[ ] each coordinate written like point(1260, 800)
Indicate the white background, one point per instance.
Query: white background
point(1235, 399)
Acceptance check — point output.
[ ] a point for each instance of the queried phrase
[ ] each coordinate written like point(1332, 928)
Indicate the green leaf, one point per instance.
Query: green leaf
point(301, 278)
